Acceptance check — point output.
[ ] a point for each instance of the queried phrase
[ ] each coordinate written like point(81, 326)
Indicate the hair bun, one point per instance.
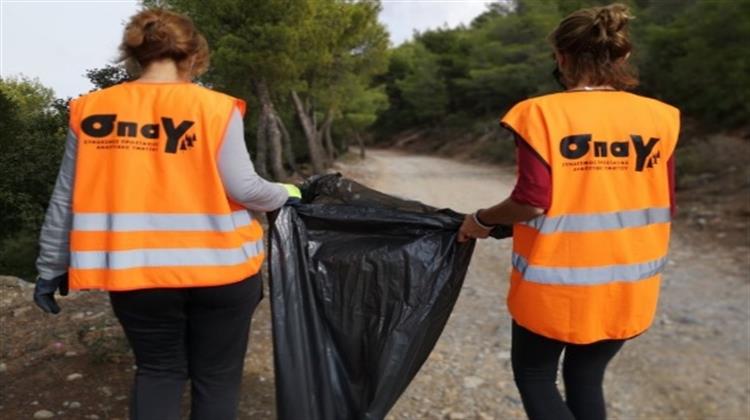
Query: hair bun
point(612, 19)
point(138, 31)
point(155, 34)
point(149, 29)
point(133, 37)
point(596, 43)
point(157, 31)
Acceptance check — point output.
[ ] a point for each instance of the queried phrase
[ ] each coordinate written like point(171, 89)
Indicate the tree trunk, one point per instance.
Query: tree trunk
point(274, 141)
point(287, 139)
point(261, 146)
point(268, 129)
point(310, 110)
point(313, 142)
point(361, 143)
point(325, 132)
point(345, 144)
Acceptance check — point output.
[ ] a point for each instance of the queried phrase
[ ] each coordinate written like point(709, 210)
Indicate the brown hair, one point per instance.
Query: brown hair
point(595, 43)
point(156, 34)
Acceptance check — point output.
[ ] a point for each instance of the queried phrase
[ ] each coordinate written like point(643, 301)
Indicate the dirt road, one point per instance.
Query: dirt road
point(693, 364)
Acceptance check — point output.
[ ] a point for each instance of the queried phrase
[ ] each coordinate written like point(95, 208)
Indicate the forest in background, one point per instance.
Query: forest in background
point(319, 76)
point(448, 87)
point(692, 53)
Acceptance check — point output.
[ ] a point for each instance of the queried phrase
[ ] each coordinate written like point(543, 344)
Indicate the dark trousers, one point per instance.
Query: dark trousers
point(199, 334)
point(535, 359)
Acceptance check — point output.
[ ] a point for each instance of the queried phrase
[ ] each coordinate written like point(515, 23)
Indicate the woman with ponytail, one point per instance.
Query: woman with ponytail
point(591, 212)
point(153, 204)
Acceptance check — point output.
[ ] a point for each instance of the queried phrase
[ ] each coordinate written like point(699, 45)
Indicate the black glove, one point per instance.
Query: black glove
point(274, 214)
point(293, 201)
point(44, 292)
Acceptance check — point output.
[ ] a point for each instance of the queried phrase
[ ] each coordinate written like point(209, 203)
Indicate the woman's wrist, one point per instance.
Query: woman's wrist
point(481, 223)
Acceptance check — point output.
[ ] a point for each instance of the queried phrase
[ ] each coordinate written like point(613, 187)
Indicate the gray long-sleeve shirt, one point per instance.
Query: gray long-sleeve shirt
point(241, 183)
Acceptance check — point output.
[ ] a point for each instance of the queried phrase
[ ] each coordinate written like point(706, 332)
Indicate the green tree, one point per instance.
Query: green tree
point(31, 98)
point(510, 59)
point(349, 48)
point(107, 76)
point(423, 89)
point(360, 112)
point(698, 60)
point(254, 44)
point(295, 53)
point(33, 126)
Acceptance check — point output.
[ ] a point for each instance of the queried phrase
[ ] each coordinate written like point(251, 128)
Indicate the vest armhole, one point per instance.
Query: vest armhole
point(526, 120)
point(74, 117)
point(677, 126)
point(518, 136)
point(74, 129)
point(223, 138)
point(671, 115)
point(241, 106)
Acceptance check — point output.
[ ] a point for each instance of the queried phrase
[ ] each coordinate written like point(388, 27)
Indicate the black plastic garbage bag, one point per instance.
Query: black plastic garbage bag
point(362, 285)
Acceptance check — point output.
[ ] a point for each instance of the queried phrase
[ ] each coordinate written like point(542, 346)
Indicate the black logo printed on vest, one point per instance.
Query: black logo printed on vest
point(175, 133)
point(642, 152)
point(103, 125)
point(579, 145)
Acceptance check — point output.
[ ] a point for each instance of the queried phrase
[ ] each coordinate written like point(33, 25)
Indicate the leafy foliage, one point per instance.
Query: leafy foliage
point(699, 60)
point(250, 39)
point(107, 76)
point(33, 124)
point(479, 71)
point(691, 53)
point(30, 97)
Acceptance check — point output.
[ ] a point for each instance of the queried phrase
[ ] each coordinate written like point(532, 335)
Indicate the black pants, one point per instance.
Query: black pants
point(535, 359)
point(199, 334)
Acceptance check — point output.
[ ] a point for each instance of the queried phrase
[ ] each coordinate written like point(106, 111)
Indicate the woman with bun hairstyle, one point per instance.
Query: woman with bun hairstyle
point(152, 203)
point(591, 215)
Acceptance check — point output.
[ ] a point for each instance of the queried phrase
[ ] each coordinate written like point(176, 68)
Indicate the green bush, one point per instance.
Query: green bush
point(18, 254)
point(690, 53)
point(33, 127)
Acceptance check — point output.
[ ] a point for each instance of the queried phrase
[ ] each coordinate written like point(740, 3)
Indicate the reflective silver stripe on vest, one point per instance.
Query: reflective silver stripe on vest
point(587, 276)
point(120, 260)
point(600, 221)
point(133, 222)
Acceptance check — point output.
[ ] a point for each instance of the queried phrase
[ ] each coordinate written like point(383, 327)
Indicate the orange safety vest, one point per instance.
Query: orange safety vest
point(149, 207)
point(589, 269)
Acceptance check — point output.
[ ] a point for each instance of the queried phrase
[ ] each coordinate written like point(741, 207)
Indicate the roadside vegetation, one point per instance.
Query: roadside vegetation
point(319, 76)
